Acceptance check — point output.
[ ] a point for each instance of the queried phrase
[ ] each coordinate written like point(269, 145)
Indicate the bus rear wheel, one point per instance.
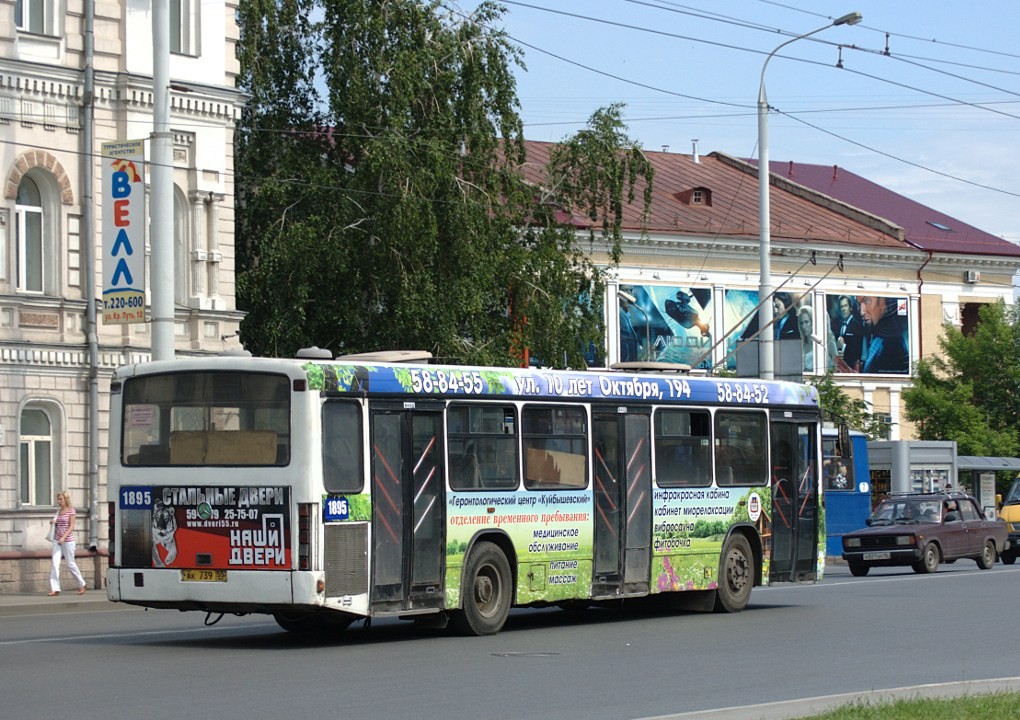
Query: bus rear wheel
point(736, 575)
point(487, 592)
point(309, 624)
point(298, 623)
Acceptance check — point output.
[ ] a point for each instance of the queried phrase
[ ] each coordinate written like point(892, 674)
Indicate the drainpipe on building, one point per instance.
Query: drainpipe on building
point(88, 233)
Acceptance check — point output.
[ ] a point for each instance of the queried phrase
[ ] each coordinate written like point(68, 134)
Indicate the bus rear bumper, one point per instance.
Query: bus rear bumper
point(237, 591)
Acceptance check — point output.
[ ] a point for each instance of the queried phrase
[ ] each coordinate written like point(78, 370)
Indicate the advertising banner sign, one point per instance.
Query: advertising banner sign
point(226, 528)
point(123, 232)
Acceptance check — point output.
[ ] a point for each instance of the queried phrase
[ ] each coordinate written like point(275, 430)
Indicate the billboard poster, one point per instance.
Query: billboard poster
point(231, 528)
point(741, 320)
point(666, 324)
point(869, 333)
point(123, 232)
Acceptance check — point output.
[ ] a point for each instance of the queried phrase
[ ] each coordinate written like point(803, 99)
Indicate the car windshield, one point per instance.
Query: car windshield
point(906, 510)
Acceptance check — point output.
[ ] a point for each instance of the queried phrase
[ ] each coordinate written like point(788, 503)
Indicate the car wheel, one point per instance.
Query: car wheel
point(859, 569)
point(987, 558)
point(736, 575)
point(487, 592)
point(1008, 558)
point(929, 561)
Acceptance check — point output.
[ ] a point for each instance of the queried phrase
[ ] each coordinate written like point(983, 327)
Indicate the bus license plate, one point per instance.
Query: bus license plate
point(200, 575)
point(870, 556)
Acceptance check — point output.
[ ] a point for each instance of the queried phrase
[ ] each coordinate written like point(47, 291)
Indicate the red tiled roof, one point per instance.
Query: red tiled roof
point(733, 212)
point(915, 219)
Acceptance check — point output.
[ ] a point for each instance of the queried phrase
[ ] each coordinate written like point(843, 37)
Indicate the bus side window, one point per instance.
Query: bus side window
point(682, 448)
point(741, 445)
point(555, 447)
point(482, 446)
point(342, 466)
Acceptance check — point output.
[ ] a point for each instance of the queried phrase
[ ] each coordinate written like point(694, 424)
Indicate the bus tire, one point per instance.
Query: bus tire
point(1008, 557)
point(488, 592)
point(309, 624)
point(736, 575)
point(297, 623)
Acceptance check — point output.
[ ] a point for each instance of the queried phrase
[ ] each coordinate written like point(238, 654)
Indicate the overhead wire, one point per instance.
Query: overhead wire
point(720, 18)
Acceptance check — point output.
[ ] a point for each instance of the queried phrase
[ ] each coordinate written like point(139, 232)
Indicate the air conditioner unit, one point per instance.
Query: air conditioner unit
point(971, 276)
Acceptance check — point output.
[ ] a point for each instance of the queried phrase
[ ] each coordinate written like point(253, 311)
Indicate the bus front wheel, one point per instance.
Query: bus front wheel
point(487, 592)
point(736, 575)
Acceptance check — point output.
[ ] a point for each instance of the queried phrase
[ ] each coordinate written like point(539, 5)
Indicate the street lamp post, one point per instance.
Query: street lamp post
point(766, 355)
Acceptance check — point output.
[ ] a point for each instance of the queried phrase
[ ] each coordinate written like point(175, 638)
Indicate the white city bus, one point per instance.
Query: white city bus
point(327, 491)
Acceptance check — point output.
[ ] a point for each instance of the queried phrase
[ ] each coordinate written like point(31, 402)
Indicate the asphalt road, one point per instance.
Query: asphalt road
point(891, 629)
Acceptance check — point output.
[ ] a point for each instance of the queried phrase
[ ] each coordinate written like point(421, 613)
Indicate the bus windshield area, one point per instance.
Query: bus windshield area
point(206, 418)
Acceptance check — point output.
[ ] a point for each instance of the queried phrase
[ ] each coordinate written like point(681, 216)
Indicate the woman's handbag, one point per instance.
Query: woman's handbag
point(51, 535)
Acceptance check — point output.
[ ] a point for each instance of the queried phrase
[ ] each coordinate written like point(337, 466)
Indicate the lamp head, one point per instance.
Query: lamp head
point(849, 19)
point(624, 295)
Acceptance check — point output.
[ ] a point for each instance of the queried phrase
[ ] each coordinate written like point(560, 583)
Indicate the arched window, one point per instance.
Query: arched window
point(182, 247)
point(29, 229)
point(37, 458)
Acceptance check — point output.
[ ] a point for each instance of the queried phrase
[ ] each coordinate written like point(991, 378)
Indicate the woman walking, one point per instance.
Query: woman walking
point(63, 544)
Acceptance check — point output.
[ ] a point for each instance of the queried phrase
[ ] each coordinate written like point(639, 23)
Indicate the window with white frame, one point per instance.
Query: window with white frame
point(28, 222)
point(35, 16)
point(183, 27)
point(36, 459)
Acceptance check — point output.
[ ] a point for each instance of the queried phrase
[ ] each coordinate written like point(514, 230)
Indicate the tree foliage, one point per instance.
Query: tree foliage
point(380, 199)
point(970, 392)
point(838, 407)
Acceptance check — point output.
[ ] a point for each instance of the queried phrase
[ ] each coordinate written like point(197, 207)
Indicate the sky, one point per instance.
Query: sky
point(927, 102)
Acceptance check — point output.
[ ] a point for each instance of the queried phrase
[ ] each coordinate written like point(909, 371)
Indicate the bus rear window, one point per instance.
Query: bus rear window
point(206, 418)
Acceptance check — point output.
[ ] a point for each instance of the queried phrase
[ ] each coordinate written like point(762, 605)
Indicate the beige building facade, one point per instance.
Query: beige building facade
point(75, 74)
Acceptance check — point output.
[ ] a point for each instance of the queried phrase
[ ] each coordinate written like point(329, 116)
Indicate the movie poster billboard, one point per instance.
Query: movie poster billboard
point(227, 528)
point(869, 334)
point(666, 324)
point(741, 321)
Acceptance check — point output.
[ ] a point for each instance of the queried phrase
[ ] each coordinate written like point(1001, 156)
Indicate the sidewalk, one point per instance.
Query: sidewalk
point(66, 601)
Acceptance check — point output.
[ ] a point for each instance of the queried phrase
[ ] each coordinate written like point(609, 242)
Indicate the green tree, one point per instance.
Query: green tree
point(392, 212)
point(838, 407)
point(970, 392)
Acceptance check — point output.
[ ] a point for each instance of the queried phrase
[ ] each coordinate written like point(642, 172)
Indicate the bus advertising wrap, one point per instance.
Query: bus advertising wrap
point(227, 528)
point(445, 381)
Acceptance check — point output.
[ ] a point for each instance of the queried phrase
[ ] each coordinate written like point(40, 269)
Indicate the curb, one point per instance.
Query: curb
point(92, 601)
point(807, 707)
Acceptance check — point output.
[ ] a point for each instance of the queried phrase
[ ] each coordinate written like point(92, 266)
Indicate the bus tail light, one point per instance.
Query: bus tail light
point(111, 544)
point(304, 535)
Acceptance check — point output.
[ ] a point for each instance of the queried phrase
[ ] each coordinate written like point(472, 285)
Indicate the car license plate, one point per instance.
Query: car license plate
point(876, 556)
point(202, 575)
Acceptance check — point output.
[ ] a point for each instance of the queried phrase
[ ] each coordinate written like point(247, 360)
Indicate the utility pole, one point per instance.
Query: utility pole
point(161, 216)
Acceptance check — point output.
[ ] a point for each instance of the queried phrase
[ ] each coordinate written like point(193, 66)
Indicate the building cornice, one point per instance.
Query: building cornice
point(53, 96)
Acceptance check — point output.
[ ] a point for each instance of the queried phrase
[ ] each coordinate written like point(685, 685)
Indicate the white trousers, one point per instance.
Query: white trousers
point(67, 550)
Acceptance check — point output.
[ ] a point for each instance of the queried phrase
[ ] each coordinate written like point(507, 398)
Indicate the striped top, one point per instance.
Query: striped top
point(64, 521)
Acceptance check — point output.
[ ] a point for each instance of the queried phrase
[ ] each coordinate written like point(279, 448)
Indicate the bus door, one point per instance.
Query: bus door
point(622, 502)
point(407, 506)
point(794, 541)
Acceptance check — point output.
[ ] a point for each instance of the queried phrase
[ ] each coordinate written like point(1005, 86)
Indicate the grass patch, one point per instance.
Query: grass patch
point(994, 706)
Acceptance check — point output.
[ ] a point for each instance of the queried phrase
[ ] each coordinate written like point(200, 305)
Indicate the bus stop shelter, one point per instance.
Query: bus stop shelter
point(977, 475)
